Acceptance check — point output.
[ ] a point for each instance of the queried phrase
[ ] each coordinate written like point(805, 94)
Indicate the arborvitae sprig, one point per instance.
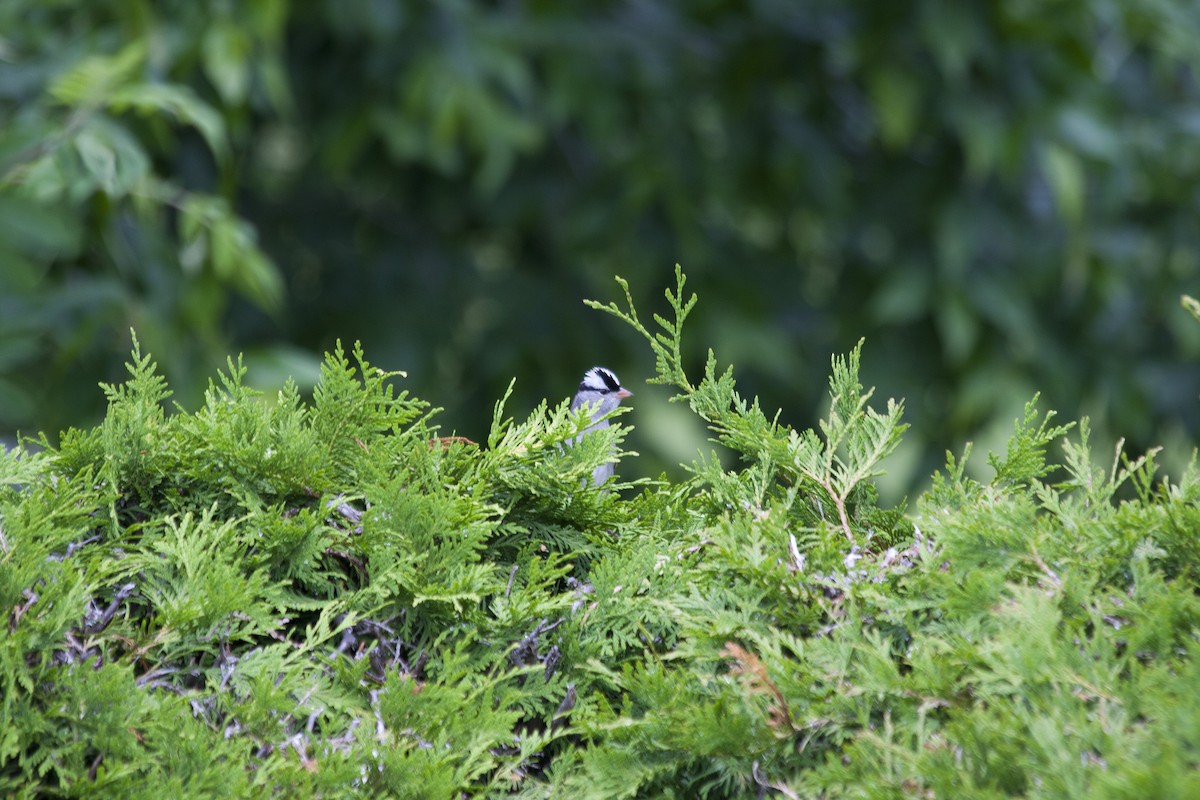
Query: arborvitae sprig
point(668, 354)
point(353, 405)
point(856, 438)
point(136, 429)
point(542, 453)
point(834, 465)
point(541, 477)
point(1025, 459)
point(255, 451)
point(1087, 484)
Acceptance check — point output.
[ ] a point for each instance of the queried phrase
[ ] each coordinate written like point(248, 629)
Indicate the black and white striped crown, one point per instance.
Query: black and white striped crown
point(600, 379)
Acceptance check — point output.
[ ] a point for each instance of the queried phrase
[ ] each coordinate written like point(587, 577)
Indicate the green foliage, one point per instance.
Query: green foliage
point(328, 598)
point(999, 197)
point(116, 177)
point(1026, 457)
point(853, 440)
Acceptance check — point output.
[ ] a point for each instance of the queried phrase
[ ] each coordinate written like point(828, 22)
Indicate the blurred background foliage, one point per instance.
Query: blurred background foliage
point(1002, 197)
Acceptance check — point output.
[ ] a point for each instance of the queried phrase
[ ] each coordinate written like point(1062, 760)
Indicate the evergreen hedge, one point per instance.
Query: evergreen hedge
point(274, 597)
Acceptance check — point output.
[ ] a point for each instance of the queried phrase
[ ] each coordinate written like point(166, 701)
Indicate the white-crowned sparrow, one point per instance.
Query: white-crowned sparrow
point(601, 392)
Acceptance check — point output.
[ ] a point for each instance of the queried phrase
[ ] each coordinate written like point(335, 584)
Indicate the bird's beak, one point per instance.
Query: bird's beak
point(623, 393)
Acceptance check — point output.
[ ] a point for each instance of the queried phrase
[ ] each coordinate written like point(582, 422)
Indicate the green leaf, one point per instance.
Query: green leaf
point(1065, 174)
point(114, 159)
point(180, 102)
point(226, 49)
point(896, 98)
point(1192, 305)
point(93, 80)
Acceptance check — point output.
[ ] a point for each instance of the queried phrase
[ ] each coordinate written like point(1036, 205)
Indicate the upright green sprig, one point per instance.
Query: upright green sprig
point(1025, 459)
point(668, 358)
point(354, 405)
point(1087, 483)
point(854, 437)
point(857, 437)
point(136, 428)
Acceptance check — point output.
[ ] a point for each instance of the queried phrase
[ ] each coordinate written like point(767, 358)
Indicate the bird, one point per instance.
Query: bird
point(601, 392)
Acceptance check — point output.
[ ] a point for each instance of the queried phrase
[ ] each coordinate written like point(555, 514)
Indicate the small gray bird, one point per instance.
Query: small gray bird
point(601, 391)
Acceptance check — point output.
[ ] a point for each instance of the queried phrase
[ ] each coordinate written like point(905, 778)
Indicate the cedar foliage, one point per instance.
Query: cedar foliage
point(275, 597)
